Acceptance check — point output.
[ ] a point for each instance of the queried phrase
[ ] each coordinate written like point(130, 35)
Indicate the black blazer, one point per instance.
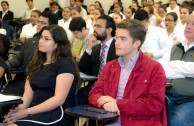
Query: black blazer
point(90, 64)
point(8, 16)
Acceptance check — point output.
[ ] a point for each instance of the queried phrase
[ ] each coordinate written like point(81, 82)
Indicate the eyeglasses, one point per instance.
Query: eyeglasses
point(41, 22)
point(98, 26)
point(168, 20)
point(46, 38)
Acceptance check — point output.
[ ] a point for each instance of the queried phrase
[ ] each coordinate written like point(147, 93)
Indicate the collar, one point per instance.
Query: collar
point(133, 60)
point(6, 11)
point(184, 43)
point(108, 43)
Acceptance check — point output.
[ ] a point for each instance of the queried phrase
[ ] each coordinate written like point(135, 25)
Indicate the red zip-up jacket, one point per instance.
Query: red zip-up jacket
point(143, 102)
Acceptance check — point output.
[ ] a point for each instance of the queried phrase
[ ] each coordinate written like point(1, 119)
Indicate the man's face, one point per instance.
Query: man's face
point(41, 22)
point(4, 6)
point(54, 8)
point(72, 3)
point(124, 45)
point(30, 3)
point(150, 2)
point(77, 34)
point(100, 30)
point(189, 29)
point(128, 13)
point(66, 13)
point(74, 14)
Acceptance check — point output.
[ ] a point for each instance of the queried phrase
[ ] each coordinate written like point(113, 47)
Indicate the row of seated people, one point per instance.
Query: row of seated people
point(90, 62)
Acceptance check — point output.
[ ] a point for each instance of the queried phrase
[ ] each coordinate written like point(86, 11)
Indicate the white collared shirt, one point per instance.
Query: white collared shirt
point(152, 20)
point(65, 25)
point(28, 31)
point(156, 42)
point(177, 69)
point(27, 13)
point(3, 13)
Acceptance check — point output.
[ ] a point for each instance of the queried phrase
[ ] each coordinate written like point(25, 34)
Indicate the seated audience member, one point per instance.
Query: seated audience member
point(135, 5)
point(178, 65)
point(98, 4)
point(90, 18)
point(6, 14)
point(160, 16)
point(150, 2)
point(72, 3)
point(174, 34)
point(56, 9)
point(117, 17)
point(111, 10)
point(2, 66)
point(79, 4)
point(185, 11)
point(97, 13)
point(26, 14)
point(152, 18)
point(156, 6)
point(29, 30)
point(129, 13)
point(50, 85)
point(143, 3)
point(76, 12)
point(118, 9)
point(22, 59)
point(157, 41)
point(48, 8)
point(96, 56)
point(65, 21)
point(80, 38)
point(123, 85)
point(173, 7)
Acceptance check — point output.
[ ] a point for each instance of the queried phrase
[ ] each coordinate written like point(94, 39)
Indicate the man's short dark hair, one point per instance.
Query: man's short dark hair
point(110, 23)
point(77, 24)
point(141, 15)
point(52, 18)
point(54, 3)
point(5, 2)
point(29, 0)
point(82, 1)
point(136, 29)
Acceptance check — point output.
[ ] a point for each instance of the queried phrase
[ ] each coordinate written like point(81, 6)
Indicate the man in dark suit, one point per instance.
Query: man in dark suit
point(6, 14)
point(90, 63)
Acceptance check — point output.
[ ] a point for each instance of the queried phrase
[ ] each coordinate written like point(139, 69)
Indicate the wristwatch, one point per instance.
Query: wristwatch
point(29, 112)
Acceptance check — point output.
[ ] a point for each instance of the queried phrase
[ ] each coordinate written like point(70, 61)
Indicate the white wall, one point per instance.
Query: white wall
point(17, 6)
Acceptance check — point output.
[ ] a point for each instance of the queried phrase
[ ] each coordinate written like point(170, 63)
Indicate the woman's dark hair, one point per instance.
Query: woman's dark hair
point(190, 10)
point(38, 12)
point(174, 15)
point(63, 50)
point(101, 10)
point(99, 3)
point(163, 6)
point(5, 2)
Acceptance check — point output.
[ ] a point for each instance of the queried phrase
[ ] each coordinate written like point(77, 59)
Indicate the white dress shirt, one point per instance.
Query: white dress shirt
point(28, 31)
point(176, 10)
point(152, 20)
point(156, 42)
point(3, 13)
point(84, 12)
point(65, 25)
point(27, 13)
point(177, 69)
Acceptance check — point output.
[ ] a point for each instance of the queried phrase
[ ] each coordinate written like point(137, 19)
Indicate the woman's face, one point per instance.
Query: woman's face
point(134, 5)
point(184, 14)
point(117, 8)
point(33, 18)
point(46, 43)
point(161, 12)
point(97, 5)
point(172, 4)
point(66, 14)
point(91, 10)
point(128, 13)
point(170, 22)
point(117, 18)
point(96, 14)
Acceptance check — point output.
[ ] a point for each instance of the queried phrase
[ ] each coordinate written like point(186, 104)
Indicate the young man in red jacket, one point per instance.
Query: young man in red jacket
point(132, 85)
